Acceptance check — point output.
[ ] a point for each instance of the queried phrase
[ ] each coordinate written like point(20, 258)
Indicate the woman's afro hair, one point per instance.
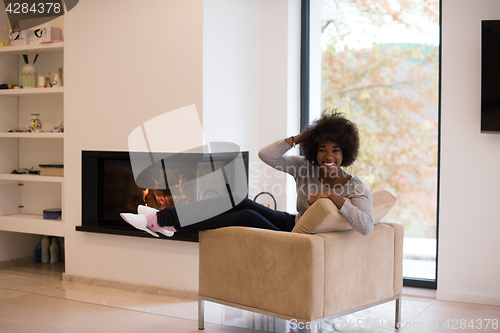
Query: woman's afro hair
point(332, 127)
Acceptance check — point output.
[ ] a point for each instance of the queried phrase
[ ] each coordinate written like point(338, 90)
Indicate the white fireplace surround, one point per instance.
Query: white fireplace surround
point(229, 58)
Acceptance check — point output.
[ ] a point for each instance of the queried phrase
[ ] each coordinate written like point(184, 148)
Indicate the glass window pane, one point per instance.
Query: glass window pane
point(379, 65)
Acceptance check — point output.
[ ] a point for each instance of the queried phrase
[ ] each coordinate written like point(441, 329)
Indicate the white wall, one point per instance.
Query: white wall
point(228, 57)
point(293, 91)
point(469, 269)
point(230, 71)
point(279, 94)
point(250, 80)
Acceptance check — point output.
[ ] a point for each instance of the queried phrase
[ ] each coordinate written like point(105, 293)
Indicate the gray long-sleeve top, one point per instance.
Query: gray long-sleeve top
point(358, 213)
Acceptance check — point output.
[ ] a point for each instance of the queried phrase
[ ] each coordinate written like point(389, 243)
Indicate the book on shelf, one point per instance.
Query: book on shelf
point(52, 170)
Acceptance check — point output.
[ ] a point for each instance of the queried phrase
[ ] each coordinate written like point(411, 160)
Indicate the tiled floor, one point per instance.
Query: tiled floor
point(34, 299)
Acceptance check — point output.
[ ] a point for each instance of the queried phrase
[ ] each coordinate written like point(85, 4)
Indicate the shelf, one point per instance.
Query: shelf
point(32, 178)
point(39, 48)
point(31, 91)
point(32, 224)
point(24, 135)
point(40, 191)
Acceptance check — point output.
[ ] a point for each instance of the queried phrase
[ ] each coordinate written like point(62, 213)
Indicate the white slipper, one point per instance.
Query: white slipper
point(145, 210)
point(166, 232)
point(137, 221)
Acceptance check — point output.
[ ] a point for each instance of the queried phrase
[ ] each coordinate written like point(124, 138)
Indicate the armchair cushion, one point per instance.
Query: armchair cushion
point(324, 216)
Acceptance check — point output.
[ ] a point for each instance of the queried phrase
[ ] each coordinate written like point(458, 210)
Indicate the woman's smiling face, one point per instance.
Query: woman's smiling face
point(329, 156)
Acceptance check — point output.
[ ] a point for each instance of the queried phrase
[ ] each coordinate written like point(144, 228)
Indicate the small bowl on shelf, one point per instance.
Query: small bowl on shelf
point(52, 214)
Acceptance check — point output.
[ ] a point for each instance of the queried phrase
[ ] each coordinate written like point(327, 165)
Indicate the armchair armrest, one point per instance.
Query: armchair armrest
point(275, 271)
point(398, 255)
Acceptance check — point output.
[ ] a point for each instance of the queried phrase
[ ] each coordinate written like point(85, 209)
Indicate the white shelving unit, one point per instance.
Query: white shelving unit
point(37, 48)
point(23, 196)
point(32, 178)
point(47, 135)
point(31, 224)
point(33, 91)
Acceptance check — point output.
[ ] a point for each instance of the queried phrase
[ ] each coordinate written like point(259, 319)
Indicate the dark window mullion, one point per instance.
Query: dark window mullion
point(304, 63)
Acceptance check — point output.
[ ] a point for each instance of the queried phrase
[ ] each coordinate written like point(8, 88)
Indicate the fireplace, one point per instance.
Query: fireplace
point(111, 184)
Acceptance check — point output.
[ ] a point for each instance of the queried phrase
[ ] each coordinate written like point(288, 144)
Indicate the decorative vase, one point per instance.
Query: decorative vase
point(35, 123)
point(29, 76)
point(57, 81)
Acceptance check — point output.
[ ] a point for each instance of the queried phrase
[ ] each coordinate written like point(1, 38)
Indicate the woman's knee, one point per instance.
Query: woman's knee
point(248, 217)
point(251, 218)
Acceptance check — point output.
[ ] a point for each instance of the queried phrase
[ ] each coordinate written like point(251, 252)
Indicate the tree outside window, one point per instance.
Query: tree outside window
point(380, 67)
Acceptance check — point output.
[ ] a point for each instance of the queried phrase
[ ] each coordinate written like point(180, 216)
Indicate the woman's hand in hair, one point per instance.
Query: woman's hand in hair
point(296, 139)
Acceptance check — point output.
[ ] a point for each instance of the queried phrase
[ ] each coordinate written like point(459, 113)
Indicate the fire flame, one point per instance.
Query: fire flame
point(161, 199)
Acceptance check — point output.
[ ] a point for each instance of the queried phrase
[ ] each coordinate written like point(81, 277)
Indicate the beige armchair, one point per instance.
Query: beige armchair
point(303, 276)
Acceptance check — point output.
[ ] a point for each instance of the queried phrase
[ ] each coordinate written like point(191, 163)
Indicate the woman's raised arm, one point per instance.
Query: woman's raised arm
point(274, 155)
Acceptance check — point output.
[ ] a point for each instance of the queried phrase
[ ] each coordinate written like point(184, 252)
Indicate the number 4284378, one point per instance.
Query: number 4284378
point(478, 324)
point(35, 8)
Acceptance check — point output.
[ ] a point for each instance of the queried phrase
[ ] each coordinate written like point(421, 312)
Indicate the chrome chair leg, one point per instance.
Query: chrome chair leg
point(201, 313)
point(398, 312)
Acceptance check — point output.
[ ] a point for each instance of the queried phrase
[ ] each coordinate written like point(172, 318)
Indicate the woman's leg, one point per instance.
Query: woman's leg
point(243, 218)
point(246, 213)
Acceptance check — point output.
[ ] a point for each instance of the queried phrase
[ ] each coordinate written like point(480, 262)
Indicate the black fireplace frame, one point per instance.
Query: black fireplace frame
point(92, 168)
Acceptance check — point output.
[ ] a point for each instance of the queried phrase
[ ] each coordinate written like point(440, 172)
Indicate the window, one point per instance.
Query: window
point(377, 61)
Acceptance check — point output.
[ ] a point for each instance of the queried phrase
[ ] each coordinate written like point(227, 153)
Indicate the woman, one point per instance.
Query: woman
point(328, 144)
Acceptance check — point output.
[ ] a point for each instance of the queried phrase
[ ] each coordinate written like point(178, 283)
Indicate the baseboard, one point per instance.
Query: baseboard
point(419, 292)
point(17, 262)
point(467, 298)
point(142, 288)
